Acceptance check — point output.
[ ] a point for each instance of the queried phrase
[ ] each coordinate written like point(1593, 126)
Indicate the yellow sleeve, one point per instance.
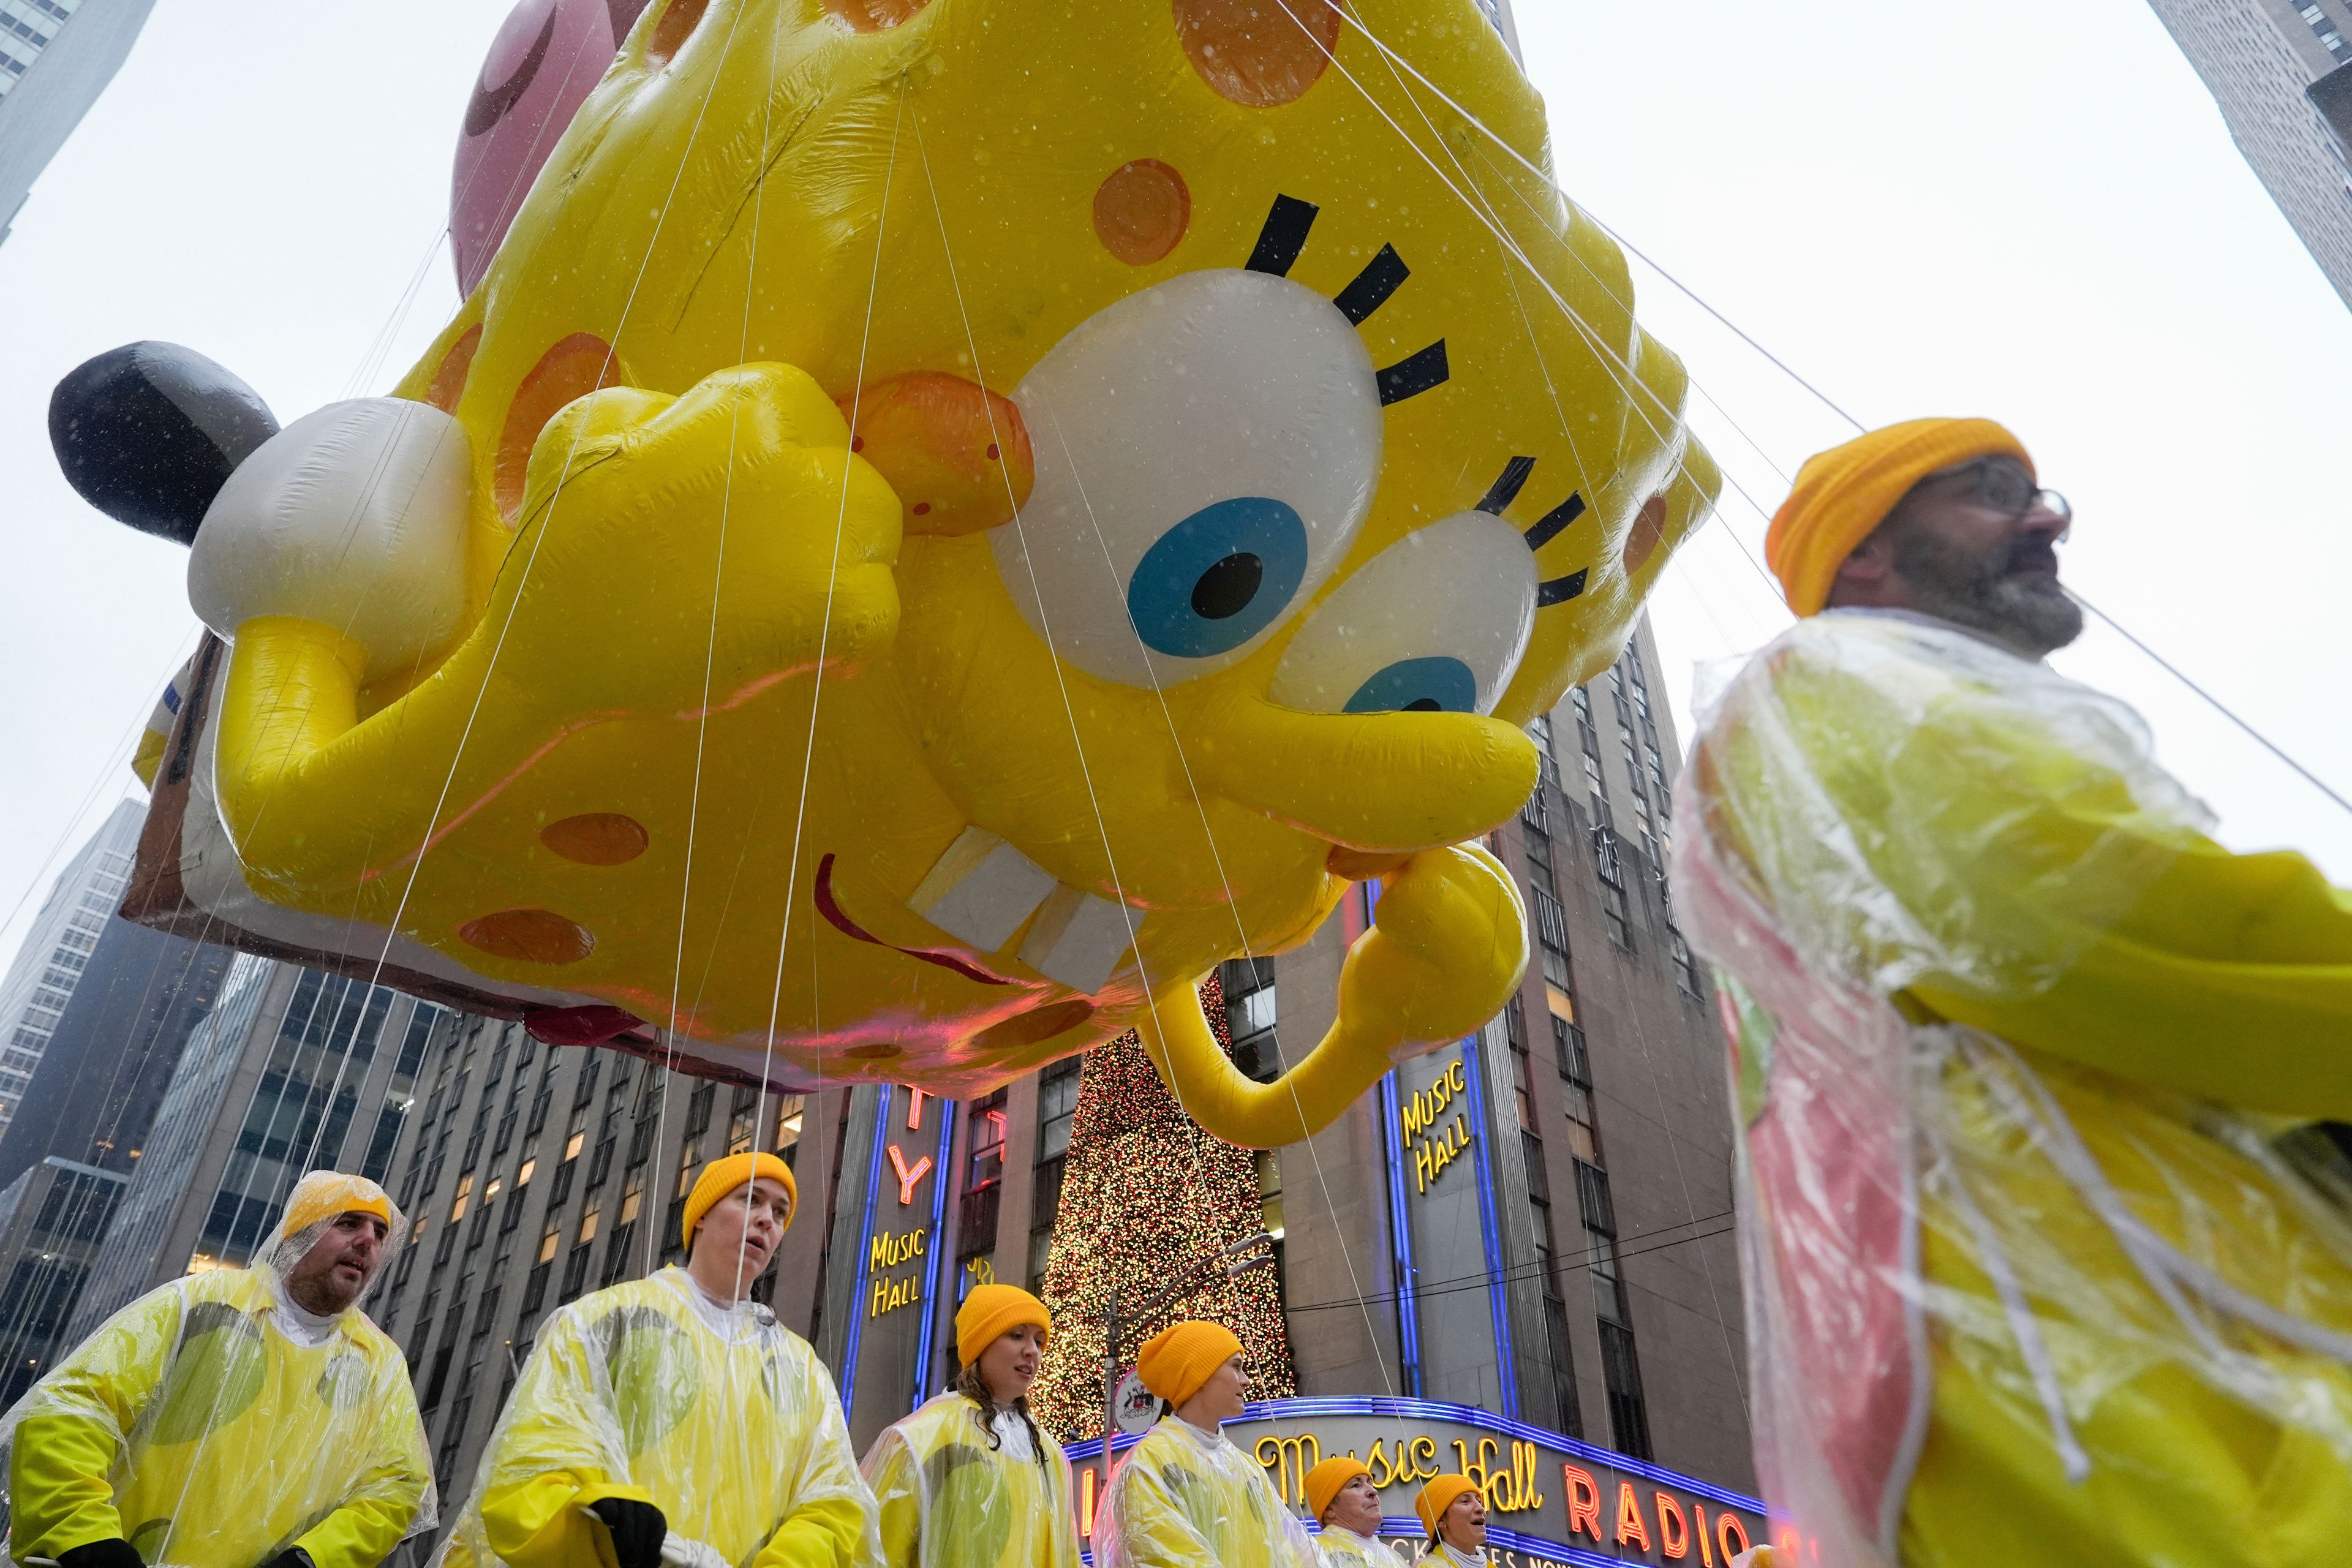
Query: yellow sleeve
point(824, 1533)
point(891, 1474)
point(58, 1486)
point(2229, 980)
point(536, 1523)
point(555, 1452)
point(359, 1534)
point(63, 1450)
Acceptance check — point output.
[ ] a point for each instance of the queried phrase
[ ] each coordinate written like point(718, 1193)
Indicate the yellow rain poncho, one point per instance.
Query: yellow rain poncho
point(1182, 1496)
point(721, 1418)
point(213, 1424)
point(1345, 1549)
point(948, 1500)
point(2035, 1274)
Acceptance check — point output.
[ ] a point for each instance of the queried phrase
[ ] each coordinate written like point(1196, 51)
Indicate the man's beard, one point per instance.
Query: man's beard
point(2026, 612)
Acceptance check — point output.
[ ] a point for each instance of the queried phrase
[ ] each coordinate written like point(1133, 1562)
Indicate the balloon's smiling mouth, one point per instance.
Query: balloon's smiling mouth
point(830, 907)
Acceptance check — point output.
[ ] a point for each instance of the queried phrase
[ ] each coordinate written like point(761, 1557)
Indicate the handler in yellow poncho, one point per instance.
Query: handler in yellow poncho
point(233, 1419)
point(1185, 1496)
point(970, 1480)
point(1342, 1500)
point(672, 1419)
point(2040, 1270)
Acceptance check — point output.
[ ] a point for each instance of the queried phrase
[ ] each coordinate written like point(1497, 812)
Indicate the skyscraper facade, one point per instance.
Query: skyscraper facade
point(57, 952)
point(2260, 59)
point(56, 57)
point(114, 1050)
point(79, 1131)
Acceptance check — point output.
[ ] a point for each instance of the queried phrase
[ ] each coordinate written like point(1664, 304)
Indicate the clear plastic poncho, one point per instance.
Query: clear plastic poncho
point(213, 1424)
point(1345, 1549)
point(722, 1418)
point(948, 1500)
point(2027, 1282)
point(1182, 1498)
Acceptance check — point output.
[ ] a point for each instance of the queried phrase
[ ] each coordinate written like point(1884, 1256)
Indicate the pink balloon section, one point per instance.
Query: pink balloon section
point(541, 67)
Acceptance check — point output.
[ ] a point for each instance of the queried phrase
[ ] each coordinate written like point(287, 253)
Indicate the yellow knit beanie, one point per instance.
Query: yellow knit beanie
point(722, 1176)
point(1844, 493)
point(1178, 1360)
point(1438, 1495)
point(994, 1309)
point(1324, 1481)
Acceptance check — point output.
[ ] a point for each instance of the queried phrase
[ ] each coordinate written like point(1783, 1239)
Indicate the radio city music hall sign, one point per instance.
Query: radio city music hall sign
point(1549, 1499)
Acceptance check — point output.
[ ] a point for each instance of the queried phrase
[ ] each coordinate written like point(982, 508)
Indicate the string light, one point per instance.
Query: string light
point(1146, 1194)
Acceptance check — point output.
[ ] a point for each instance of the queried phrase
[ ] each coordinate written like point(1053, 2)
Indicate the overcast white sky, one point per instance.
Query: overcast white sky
point(2025, 208)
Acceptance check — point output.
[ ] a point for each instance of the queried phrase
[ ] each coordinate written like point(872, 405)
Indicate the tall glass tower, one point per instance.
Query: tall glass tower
point(56, 57)
point(49, 968)
point(2261, 59)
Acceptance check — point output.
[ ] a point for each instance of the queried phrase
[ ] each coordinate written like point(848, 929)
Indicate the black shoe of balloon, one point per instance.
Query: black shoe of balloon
point(292, 1557)
point(114, 1554)
point(636, 1528)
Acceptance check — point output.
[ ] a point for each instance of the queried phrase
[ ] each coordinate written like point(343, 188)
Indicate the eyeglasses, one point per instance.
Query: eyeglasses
point(2003, 484)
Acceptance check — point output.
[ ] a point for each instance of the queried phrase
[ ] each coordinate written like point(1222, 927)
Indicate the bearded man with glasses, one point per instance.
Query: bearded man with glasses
point(2045, 1261)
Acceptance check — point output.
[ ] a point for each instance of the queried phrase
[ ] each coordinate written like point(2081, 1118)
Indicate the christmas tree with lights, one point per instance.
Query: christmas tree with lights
point(1147, 1195)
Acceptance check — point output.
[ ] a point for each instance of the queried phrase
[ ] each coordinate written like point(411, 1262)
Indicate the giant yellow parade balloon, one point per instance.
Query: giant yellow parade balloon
point(937, 524)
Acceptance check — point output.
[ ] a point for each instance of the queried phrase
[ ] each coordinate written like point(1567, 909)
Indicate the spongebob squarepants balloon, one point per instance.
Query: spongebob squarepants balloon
point(938, 524)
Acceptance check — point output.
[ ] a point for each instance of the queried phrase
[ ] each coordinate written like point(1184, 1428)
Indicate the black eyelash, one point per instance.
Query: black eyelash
point(1284, 236)
point(1548, 526)
point(1414, 375)
point(1560, 590)
point(1506, 486)
point(1371, 287)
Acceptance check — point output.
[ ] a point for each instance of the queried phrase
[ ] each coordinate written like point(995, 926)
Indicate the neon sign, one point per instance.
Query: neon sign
point(908, 1174)
point(888, 1252)
point(1433, 1151)
point(1550, 1498)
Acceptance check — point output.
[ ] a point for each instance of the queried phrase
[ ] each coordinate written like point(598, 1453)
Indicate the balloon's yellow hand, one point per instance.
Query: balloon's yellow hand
point(1447, 949)
point(1448, 943)
point(729, 526)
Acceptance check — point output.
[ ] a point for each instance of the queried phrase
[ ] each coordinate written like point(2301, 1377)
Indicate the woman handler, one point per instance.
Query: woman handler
point(1185, 1496)
point(968, 1480)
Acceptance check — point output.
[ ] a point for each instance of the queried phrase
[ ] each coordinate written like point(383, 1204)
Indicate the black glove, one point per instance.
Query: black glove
point(116, 1553)
point(636, 1528)
point(292, 1557)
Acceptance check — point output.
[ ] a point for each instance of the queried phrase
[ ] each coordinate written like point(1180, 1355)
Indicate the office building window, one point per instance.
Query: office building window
point(792, 1111)
point(1248, 985)
point(1515, 1036)
point(1621, 1366)
point(983, 1178)
point(1561, 1368)
point(1552, 935)
point(1057, 1098)
point(743, 1127)
point(575, 1271)
point(1609, 870)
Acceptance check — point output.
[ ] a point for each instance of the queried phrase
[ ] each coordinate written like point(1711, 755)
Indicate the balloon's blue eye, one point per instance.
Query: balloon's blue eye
point(1436, 685)
point(1218, 578)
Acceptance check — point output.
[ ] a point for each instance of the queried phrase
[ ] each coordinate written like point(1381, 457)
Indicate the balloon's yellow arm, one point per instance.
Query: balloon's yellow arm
point(603, 609)
point(1445, 951)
